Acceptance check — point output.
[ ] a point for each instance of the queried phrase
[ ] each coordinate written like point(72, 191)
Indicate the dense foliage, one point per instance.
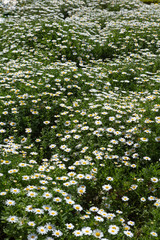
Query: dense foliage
point(151, 1)
point(79, 120)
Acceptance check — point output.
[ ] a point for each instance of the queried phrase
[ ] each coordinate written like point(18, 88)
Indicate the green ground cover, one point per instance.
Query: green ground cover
point(151, 1)
point(79, 120)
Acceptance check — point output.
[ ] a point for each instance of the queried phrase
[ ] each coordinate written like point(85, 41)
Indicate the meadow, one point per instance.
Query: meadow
point(79, 120)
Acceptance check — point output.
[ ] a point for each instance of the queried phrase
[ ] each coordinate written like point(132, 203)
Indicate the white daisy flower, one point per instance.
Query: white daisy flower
point(12, 219)
point(42, 230)
point(97, 233)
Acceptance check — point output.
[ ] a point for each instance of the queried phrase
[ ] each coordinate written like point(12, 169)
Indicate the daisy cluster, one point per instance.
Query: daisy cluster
point(8, 6)
point(79, 120)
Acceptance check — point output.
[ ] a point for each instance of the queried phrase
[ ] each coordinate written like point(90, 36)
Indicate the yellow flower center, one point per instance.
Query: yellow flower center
point(97, 234)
